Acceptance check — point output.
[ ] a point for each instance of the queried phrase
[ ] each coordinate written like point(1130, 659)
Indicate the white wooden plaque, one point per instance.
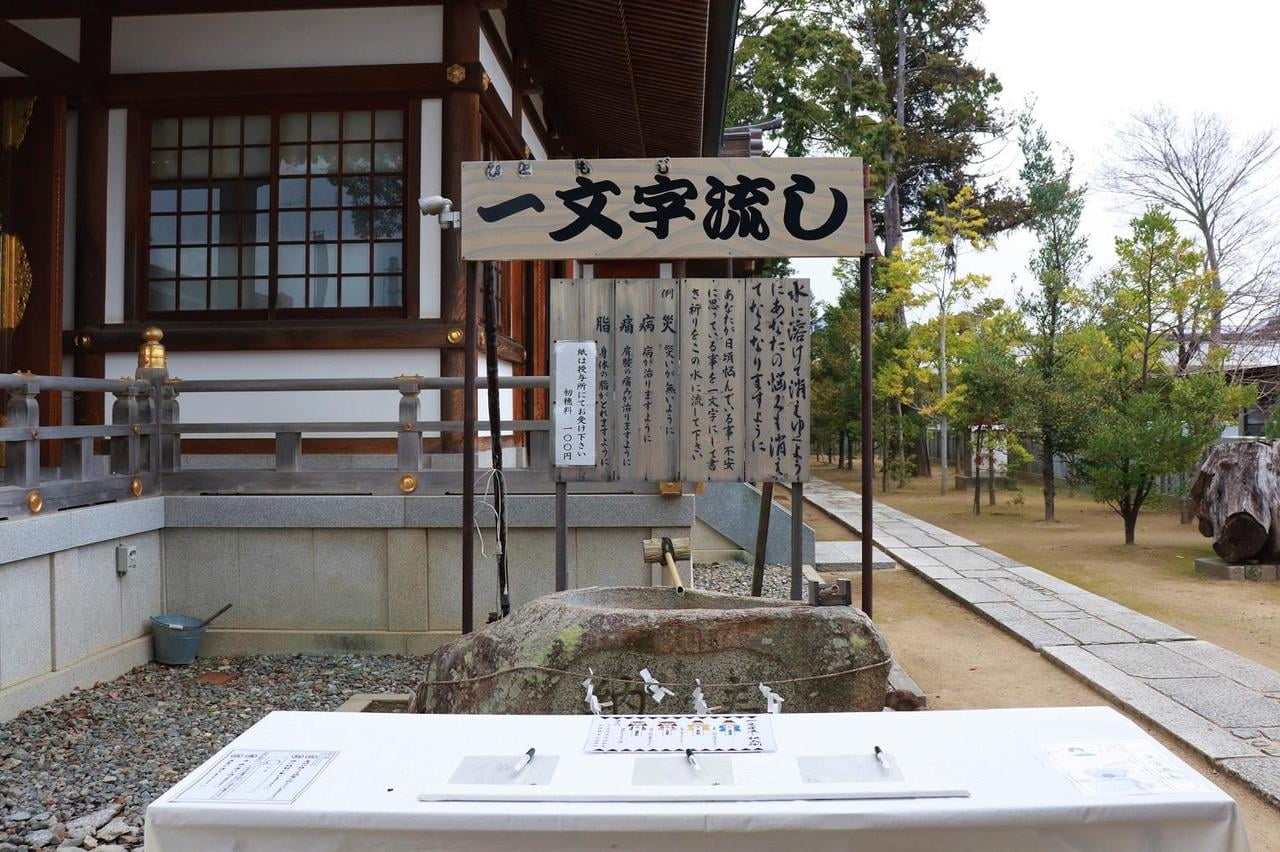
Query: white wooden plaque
point(574, 388)
point(684, 207)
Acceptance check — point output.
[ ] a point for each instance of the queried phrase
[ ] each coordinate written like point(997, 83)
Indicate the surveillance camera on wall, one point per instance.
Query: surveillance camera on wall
point(442, 208)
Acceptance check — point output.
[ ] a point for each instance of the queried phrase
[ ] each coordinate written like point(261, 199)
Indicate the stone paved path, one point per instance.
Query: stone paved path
point(846, 556)
point(1222, 705)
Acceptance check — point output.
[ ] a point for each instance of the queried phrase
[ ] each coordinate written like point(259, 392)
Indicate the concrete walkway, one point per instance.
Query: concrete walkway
point(1223, 705)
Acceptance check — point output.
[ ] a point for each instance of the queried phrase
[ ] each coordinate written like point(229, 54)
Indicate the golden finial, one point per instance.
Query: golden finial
point(151, 353)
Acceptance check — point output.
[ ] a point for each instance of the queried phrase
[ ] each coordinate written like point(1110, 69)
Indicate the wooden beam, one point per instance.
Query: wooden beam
point(29, 55)
point(19, 9)
point(425, 79)
point(461, 131)
point(279, 335)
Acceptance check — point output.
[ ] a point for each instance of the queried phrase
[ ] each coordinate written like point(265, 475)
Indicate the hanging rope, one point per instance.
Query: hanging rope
point(635, 682)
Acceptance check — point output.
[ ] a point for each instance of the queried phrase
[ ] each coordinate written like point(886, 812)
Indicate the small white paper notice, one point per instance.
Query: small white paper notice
point(1120, 768)
point(258, 777)
point(573, 388)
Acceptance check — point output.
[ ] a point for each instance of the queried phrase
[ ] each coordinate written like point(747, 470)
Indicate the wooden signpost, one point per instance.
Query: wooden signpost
point(699, 380)
point(676, 379)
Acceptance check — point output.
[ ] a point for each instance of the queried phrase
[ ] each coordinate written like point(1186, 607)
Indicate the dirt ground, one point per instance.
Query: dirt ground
point(983, 667)
point(963, 662)
point(1086, 547)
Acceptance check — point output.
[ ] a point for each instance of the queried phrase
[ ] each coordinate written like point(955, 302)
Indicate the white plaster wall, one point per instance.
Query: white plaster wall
point(535, 144)
point(500, 21)
point(291, 39)
point(505, 401)
point(429, 241)
point(117, 151)
point(62, 34)
point(497, 76)
point(341, 406)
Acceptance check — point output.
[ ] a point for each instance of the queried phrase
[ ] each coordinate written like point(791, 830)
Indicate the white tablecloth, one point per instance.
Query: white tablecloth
point(366, 799)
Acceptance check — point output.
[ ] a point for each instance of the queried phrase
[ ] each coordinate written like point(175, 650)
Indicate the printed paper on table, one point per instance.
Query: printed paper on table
point(1120, 768)
point(254, 777)
point(657, 734)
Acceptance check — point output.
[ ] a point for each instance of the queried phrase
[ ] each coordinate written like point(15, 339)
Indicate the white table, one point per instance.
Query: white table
point(366, 799)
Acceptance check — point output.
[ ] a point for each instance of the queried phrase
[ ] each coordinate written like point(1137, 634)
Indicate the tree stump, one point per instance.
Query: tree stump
point(1236, 496)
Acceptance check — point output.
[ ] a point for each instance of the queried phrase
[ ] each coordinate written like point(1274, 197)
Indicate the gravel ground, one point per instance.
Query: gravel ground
point(735, 578)
point(80, 771)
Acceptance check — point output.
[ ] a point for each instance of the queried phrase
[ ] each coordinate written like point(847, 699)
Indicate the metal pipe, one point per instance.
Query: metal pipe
point(868, 449)
point(469, 452)
point(495, 431)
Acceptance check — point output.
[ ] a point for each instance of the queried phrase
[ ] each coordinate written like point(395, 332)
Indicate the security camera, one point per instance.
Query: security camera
point(434, 205)
point(442, 209)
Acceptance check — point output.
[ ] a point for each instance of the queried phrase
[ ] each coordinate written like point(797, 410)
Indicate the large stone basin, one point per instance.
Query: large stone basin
point(731, 643)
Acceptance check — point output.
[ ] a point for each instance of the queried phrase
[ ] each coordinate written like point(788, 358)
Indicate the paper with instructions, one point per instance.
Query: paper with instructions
point(254, 777)
point(1120, 768)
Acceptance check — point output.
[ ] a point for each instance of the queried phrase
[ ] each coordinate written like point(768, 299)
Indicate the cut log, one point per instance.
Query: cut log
point(1236, 496)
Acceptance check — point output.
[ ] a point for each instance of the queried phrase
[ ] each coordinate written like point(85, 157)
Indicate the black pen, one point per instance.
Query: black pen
point(881, 759)
point(524, 761)
point(693, 761)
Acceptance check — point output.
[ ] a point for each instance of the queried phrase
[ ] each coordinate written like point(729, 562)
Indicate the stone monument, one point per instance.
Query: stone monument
point(818, 659)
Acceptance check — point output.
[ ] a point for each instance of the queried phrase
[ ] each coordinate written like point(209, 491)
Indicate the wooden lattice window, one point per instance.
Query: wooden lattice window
point(282, 212)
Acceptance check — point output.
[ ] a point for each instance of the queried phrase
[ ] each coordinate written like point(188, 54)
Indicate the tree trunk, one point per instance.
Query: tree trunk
point(1130, 524)
point(840, 441)
point(924, 467)
point(991, 477)
point(1236, 495)
point(884, 460)
point(977, 475)
point(1050, 480)
point(942, 372)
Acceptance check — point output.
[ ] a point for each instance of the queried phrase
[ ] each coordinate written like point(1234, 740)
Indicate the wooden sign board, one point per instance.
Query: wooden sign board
point(697, 379)
point(663, 208)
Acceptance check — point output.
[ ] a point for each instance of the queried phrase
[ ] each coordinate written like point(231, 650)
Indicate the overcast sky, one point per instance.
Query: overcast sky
point(1090, 64)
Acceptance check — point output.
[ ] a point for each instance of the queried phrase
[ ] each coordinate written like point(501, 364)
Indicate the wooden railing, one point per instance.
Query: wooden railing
point(143, 441)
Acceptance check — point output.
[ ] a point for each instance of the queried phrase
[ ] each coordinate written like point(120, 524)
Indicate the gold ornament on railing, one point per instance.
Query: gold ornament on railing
point(151, 353)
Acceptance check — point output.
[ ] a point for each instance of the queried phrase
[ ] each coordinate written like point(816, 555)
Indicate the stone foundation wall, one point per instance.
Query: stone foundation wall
point(66, 618)
point(304, 574)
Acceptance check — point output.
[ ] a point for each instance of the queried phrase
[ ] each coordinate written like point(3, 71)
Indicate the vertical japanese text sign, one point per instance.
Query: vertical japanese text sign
point(574, 391)
point(663, 208)
point(699, 379)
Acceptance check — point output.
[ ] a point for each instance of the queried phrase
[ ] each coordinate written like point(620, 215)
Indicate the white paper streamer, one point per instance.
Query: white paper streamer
point(593, 702)
point(700, 700)
point(657, 690)
point(773, 701)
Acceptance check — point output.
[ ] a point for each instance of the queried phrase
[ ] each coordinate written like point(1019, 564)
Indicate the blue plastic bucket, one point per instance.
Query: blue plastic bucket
point(177, 638)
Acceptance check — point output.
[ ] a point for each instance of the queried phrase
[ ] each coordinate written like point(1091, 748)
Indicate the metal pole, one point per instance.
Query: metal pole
point(469, 451)
point(868, 450)
point(797, 541)
point(562, 536)
point(495, 433)
point(762, 537)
